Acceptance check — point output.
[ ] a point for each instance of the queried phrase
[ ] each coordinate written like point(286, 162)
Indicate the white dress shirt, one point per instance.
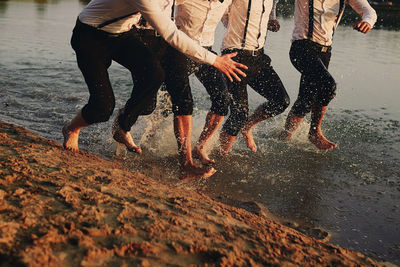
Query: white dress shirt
point(247, 27)
point(99, 11)
point(199, 18)
point(326, 18)
point(166, 8)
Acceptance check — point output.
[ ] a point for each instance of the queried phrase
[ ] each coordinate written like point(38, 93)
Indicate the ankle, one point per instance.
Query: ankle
point(67, 129)
point(185, 161)
point(315, 131)
point(120, 132)
point(199, 146)
point(246, 128)
point(285, 135)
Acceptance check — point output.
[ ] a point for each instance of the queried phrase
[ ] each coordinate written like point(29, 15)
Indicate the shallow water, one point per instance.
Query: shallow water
point(353, 192)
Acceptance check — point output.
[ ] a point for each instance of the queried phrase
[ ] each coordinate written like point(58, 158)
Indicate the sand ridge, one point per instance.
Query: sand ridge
point(59, 208)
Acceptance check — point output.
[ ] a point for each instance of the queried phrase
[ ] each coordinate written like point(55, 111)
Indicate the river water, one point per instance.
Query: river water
point(353, 192)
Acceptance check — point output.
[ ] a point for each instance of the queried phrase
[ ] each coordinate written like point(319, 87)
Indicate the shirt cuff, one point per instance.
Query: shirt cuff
point(370, 21)
point(272, 16)
point(210, 58)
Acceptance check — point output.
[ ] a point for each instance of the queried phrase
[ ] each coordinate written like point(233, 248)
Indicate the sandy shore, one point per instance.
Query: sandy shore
point(60, 208)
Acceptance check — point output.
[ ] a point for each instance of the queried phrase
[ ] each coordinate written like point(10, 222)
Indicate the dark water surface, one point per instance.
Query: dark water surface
point(352, 192)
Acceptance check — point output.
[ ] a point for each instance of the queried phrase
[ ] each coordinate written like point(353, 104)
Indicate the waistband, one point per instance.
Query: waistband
point(84, 26)
point(148, 32)
point(315, 46)
point(253, 53)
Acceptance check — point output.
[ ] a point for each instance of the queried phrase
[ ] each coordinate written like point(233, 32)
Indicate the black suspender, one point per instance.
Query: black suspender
point(247, 24)
point(142, 22)
point(173, 10)
point(101, 25)
point(261, 19)
point(341, 7)
point(310, 19)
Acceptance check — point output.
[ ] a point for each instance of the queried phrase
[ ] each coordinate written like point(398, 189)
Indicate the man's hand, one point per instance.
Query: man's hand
point(273, 25)
point(362, 26)
point(230, 68)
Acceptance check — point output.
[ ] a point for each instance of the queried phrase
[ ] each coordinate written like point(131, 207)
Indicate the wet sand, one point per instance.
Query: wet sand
point(60, 208)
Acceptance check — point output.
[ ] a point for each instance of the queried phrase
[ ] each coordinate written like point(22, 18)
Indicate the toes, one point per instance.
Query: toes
point(209, 173)
point(332, 146)
point(208, 162)
point(72, 149)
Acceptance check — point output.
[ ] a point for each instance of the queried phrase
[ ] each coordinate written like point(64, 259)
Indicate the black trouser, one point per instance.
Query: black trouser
point(158, 46)
point(95, 50)
point(317, 85)
point(264, 80)
point(178, 68)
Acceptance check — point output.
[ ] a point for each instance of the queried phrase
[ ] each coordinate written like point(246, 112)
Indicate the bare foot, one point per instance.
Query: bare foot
point(191, 171)
point(248, 138)
point(200, 154)
point(321, 142)
point(125, 138)
point(70, 139)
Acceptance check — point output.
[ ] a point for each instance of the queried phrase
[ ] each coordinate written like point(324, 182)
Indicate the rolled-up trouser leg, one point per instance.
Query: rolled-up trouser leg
point(177, 82)
point(239, 108)
point(264, 80)
point(317, 85)
point(146, 70)
point(216, 87)
point(268, 84)
point(101, 100)
point(94, 58)
point(158, 46)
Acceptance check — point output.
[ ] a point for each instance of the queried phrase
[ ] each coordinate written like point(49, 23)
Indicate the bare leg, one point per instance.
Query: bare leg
point(226, 142)
point(315, 134)
point(292, 123)
point(213, 121)
point(257, 117)
point(71, 132)
point(124, 137)
point(183, 126)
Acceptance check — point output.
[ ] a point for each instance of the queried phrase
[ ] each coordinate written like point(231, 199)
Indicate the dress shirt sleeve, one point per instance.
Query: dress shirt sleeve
point(272, 15)
point(168, 30)
point(364, 9)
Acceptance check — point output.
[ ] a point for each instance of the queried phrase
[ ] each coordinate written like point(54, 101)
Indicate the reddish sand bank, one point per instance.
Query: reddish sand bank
point(58, 208)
